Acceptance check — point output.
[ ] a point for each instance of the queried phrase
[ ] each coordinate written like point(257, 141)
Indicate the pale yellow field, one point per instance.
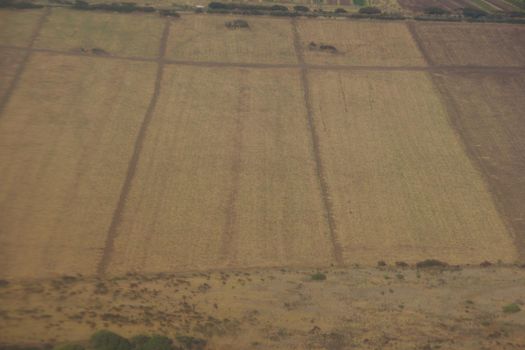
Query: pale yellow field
point(118, 34)
point(16, 27)
point(473, 44)
point(226, 177)
point(360, 43)
point(206, 38)
point(9, 61)
point(65, 140)
point(402, 186)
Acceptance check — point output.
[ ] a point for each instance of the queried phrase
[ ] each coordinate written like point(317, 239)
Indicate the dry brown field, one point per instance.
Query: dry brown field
point(360, 43)
point(206, 38)
point(66, 136)
point(9, 62)
point(457, 5)
point(473, 44)
point(226, 177)
point(487, 109)
point(17, 26)
point(117, 34)
point(401, 184)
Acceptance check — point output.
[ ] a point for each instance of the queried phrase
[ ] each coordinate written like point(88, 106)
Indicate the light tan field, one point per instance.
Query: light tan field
point(65, 140)
point(206, 38)
point(473, 44)
point(16, 27)
point(401, 184)
point(226, 177)
point(360, 43)
point(118, 34)
point(9, 61)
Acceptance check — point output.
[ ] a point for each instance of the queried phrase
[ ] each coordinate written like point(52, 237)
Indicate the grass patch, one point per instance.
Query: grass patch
point(318, 276)
point(511, 308)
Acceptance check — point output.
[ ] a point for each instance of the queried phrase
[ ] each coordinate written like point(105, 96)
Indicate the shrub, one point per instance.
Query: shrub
point(431, 263)
point(301, 8)
point(155, 342)
point(359, 3)
point(369, 10)
point(107, 340)
point(511, 308)
point(237, 23)
point(318, 276)
point(436, 11)
point(340, 10)
point(473, 13)
point(169, 13)
point(19, 5)
point(69, 347)
point(278, 8)
point(191, 342)
point(217, 5)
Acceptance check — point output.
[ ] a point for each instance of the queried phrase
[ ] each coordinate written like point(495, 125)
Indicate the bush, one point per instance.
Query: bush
point(474, 13)
point(169, 13)
point(155, 342)
point(369, 10)
point(191, 342)
point(237, 23)
point(431, 263)
point(511, 308)
point(19, 5)
point(318, 276)
point(217, 5)
point(359, 2)
point(301, 8)
point(436, 11)
point(340, 10)
point(69, 347)
point(107, 340)
point(278, 8)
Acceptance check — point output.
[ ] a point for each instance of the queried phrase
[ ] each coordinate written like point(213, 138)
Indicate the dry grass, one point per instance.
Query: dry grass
point(9, 62)
point(16, 26)
point(65, 140)
point(206, 38)
point(119, 34)
point(402, 186)
point(474, 44)
point(491, 120)
point(225, 178)
point(361, 43)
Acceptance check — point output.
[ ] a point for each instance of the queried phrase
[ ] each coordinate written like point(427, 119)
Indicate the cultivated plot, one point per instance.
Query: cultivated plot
point(17, 26)
point(489, 116)
point(401, 184)
point(116, 34)
point(473, 44)
point(10, 60)
point(359, 43)
point(65, 140)
point(226, 177)
point(206, 38)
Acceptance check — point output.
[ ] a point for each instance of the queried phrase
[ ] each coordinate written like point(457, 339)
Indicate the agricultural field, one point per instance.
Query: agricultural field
point(64, 147)
point(206, 38)
point(473, 44)
point(363, 43)
point(136, 35)
point(175, 176)
point(228, 186)
point(418, 6)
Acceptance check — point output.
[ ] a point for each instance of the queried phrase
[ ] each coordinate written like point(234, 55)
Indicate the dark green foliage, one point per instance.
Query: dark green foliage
point(359, 2)
point(139, 340)
point(125, 7)
point(318, 276)
point(155, 342)
point(19, 4)
point(369, 10)
point(474, 13)
point(431, 263)
point(436, 11)
point(340, 10)
point(301, 8)
point(169, 13)
point(107, 340)
point(191, 343)
point(69, 347)
point(278, 8)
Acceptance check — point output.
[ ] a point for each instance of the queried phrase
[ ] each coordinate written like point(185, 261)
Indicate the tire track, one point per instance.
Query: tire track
point(132, 165)
point(337, 249)
point(21, 67)
point(227, 254)
point(411, 25)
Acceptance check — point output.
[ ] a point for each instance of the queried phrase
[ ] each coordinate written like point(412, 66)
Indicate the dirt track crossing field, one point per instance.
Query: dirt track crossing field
point(176, 152)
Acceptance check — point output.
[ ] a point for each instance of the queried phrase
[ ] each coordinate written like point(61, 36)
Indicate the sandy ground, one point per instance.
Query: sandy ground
point(387, 307)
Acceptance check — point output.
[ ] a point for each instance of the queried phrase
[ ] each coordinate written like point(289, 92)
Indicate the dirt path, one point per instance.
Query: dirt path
point(337, 250)
point(18, 74)
point(132, 167)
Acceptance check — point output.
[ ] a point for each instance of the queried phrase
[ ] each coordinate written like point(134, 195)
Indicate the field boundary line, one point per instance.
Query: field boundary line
point(116, 220)
point(337, 250)
point(454, 120)
point(411, 25)
point(23, 63)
